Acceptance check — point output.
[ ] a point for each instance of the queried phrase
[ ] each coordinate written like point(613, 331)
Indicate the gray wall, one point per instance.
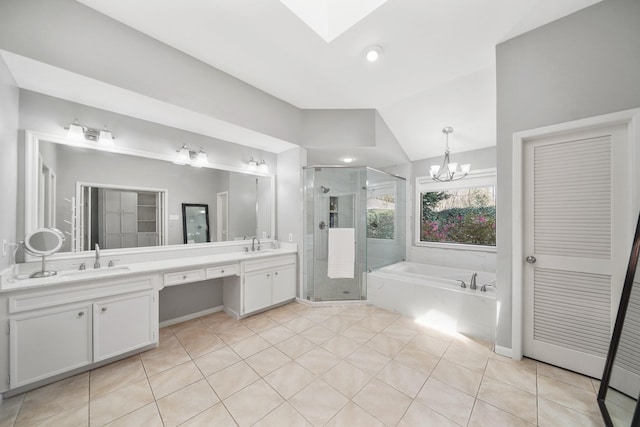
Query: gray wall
point(50, 115)
point(289, 201)
point(9, 96)
point(183, 300)
point(583, 65)
point(337, 128)
point(71, 36)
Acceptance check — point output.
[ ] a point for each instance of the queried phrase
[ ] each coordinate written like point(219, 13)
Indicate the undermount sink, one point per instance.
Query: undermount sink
point(95, 272)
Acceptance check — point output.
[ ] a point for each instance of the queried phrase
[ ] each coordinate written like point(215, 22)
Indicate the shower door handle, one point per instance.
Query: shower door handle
point(322, 225)
point(531, 259)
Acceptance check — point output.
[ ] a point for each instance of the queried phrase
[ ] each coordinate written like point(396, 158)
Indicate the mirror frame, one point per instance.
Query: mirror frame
point(30, 152)
point(617, 333)
point(38, 252)
point(184, 220)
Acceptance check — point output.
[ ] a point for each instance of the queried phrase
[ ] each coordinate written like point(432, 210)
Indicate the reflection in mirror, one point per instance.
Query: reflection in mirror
point(620, 387)
point(120, 217)
point(44, 242)
point(73, 182)
point(195, 223)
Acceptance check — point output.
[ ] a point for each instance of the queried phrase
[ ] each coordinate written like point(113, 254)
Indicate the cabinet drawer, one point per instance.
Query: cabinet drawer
point(180, 277)
point(223, 271)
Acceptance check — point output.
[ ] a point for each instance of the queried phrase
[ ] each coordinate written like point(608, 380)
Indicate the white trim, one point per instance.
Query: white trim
point(631, 118)
point(333, 303)
point(457, 246)
point(503, 351)
point(191, 316)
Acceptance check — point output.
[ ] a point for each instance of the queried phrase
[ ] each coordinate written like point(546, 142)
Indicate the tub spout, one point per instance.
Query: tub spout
point(462, 284)
point(472, 285)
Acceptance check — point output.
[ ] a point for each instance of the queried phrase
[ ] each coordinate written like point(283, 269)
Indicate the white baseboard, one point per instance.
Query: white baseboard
point(503, 351)
point(332, 303)
point(231, 313)
point(191, 316)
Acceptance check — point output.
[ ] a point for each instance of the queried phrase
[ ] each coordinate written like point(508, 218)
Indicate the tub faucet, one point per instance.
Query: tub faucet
point(96, 264)
point(253, 244)
point(462, 284)
point(472, 285)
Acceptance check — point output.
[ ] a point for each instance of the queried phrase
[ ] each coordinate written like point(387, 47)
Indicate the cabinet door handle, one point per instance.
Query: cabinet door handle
point(104, 309)
point(81, 314)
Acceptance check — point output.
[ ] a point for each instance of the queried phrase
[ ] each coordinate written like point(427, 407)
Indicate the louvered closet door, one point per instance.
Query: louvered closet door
point(570, 194)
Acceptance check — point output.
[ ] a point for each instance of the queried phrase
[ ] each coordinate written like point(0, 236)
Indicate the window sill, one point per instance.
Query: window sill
point(456, 246)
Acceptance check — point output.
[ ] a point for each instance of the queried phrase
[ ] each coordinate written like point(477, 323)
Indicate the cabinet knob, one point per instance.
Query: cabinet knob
point(184, 277)
point(104, 309)
point(81, 314)
point(276, 273)
point(268, 275)
point(222, 271)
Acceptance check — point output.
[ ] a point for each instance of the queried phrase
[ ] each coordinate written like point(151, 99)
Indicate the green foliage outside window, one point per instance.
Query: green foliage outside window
point(381, 217)
point(461, 216)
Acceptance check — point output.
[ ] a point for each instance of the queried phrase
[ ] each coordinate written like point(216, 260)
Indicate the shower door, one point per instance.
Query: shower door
point(335, 199)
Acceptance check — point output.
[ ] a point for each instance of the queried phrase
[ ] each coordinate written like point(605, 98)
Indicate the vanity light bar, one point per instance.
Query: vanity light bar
point(261, 167)
point(185, 156)
point(78, 132)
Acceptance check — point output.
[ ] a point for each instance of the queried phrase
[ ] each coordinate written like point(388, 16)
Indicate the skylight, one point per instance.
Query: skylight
point(330, 18)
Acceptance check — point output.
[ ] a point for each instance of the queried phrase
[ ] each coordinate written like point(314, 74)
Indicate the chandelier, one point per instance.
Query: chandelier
point(448, 171)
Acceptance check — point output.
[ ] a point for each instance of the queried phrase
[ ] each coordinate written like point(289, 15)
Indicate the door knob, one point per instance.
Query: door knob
point(530, 259)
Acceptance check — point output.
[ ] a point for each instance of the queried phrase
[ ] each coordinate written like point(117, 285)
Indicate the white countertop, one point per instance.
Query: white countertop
point(8, 284)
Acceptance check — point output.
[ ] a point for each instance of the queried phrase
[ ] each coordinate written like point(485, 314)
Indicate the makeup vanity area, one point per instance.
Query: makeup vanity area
point(103, 304)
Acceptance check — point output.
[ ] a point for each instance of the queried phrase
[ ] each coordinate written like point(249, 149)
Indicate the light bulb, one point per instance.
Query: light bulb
point(373, 53)
point(75, 132)
point(105, 139)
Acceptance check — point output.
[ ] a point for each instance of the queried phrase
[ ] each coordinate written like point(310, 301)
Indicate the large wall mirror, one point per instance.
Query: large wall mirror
point(620, 388)
point(121, 198)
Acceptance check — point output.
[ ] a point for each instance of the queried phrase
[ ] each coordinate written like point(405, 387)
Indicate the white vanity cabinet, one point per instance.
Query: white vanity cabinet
point(256, 290)
point(264, 282)
point(49, 342)
point(121, 324)
point(52, 332)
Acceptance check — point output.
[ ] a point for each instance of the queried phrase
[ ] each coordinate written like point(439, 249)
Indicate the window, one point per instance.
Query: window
point(460, 212)
point(381, 211)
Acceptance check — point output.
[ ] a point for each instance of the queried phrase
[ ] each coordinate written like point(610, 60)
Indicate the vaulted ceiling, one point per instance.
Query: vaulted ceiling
point(437, 66)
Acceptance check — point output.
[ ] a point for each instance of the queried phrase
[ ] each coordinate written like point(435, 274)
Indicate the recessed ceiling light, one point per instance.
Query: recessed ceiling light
point(373, 53)
point(347, 160)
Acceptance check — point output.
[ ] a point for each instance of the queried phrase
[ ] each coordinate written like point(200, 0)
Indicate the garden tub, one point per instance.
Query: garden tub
point(434, 296)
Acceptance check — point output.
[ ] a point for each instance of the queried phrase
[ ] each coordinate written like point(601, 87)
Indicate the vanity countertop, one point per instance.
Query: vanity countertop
point(72, 276)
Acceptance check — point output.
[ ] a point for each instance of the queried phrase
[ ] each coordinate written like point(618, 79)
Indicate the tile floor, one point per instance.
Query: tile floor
point(298, 366)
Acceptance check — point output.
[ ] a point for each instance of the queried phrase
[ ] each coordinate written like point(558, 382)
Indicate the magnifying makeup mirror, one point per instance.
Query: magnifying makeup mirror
point(44, 242)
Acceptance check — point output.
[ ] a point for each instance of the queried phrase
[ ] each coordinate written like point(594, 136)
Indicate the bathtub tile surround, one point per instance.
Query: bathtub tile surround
point(384, 370)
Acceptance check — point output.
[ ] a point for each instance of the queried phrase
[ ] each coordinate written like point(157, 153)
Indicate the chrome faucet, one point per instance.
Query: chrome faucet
point(253, 244)
point(96, 264)
point(472, 285)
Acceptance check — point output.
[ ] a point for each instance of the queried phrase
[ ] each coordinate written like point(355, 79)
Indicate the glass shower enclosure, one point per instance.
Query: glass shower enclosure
point(354, 222)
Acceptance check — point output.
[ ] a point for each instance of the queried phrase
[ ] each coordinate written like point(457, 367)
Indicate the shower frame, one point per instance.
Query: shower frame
point(349, 186)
